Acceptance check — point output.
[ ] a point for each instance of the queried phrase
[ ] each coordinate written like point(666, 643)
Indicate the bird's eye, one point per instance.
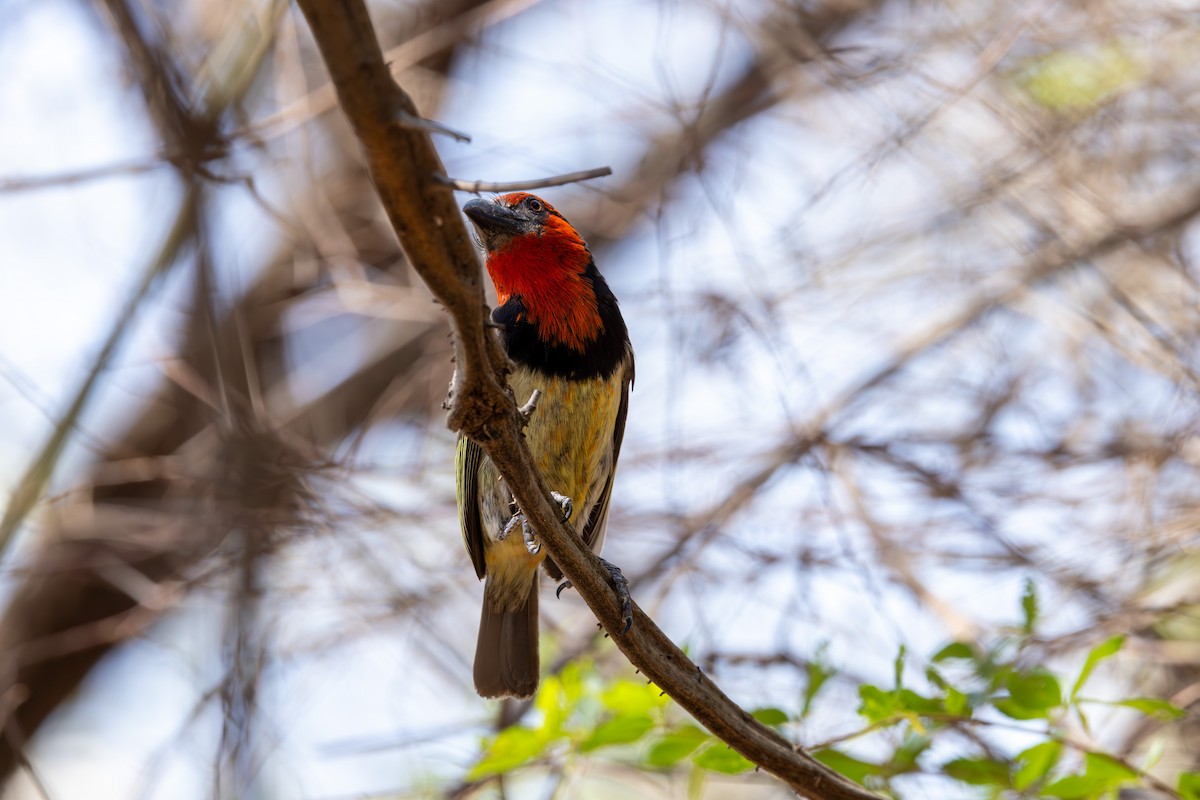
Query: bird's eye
point(534, 204)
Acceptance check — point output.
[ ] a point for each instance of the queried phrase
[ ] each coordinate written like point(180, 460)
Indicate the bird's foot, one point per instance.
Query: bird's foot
point(565, 504)
point(620, 586)
point(531, 541)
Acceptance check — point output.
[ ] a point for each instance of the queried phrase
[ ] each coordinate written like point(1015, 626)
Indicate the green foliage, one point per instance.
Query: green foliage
point(1189, 786)
point(1029, 606)
point(1154, 707)
point(817, 672)
point(1101, 775)
point(966, 687)
point(674, 746)
point(978, 771)
point(1077, 81)
point(1033, 764)
point(853, 768)
point(718, 757)
point(1109, 647)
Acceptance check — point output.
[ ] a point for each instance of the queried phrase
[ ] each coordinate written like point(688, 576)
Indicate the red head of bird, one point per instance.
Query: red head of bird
point(534, 253)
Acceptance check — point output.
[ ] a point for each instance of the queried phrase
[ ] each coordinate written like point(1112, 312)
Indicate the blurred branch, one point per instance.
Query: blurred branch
point(431, 231)
point(448, 26)
point(788, 36)
point(34, 182)
point(31, 485)
point(520, 186)
point(68, 598)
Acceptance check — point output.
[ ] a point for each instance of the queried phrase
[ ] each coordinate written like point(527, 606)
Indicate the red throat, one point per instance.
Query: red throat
point(547, 271)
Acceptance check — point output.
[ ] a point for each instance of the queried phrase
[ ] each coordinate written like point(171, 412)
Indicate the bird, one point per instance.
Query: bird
point(562, 329)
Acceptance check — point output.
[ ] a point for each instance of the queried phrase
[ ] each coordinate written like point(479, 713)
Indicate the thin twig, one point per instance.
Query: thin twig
point(414, 123)
point(520, 186)
point(33, 182)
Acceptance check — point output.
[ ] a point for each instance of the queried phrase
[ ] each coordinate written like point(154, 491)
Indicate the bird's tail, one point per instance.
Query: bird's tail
point(506, 655)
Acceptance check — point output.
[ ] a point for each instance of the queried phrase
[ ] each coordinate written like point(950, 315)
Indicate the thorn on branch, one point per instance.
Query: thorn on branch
point(526, 412)
point(403, 119)
point(476, 187)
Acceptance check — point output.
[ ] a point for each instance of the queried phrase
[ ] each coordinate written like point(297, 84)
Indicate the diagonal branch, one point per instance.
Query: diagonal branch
point(403, 164)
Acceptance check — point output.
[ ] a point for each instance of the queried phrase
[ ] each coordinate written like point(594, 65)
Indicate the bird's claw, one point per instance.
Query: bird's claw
point(531, 542)
point(565, 504)
point(620, 585)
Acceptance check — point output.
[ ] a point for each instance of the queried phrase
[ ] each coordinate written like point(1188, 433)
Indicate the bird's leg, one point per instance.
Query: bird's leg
point(531, 543)
point(620, 586)
point(518, 518)
point(565, 504)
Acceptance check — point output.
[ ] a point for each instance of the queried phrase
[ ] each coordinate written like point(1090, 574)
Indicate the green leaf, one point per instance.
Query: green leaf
point(513, 747)
point(1029, 606)
point(1035, 689)
point(1108, 769)
point(550, 700)
point(1035, 762)
point(621, 730)
point(624, 697)
point(1106, 649)
point(978, 772)
point(1189, 785)
point(769, 716)
point(1083, 720)
point(1075, 81)
point(818, 672)
point(675, 746)
point(908, 700)
point(906, 755)
point(955, 650)
point(1101, 774)
point(957, 703)
point(853, 768)
point(1153, 707)
point(877, 705)
point(1071, 787)
point(719, 757)
point(1010, 708)
point(898, 667)
point(1155, 752)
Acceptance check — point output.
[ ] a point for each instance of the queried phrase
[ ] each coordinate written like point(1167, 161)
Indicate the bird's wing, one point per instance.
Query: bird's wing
point(593, 532)
point(466, 467)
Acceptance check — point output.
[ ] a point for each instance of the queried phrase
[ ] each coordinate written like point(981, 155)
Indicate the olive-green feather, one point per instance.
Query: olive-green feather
point(467, 459)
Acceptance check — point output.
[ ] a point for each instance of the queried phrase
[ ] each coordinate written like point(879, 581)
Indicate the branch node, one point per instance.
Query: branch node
point(526, 412)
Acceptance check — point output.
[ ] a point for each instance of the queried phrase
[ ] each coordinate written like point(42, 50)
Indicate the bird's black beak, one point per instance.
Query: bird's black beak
point(494, 219)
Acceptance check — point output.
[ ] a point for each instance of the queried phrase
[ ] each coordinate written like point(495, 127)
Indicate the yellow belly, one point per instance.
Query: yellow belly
point(571, 438)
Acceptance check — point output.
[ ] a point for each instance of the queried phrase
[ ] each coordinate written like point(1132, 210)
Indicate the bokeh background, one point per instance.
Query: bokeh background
point(913, 292)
